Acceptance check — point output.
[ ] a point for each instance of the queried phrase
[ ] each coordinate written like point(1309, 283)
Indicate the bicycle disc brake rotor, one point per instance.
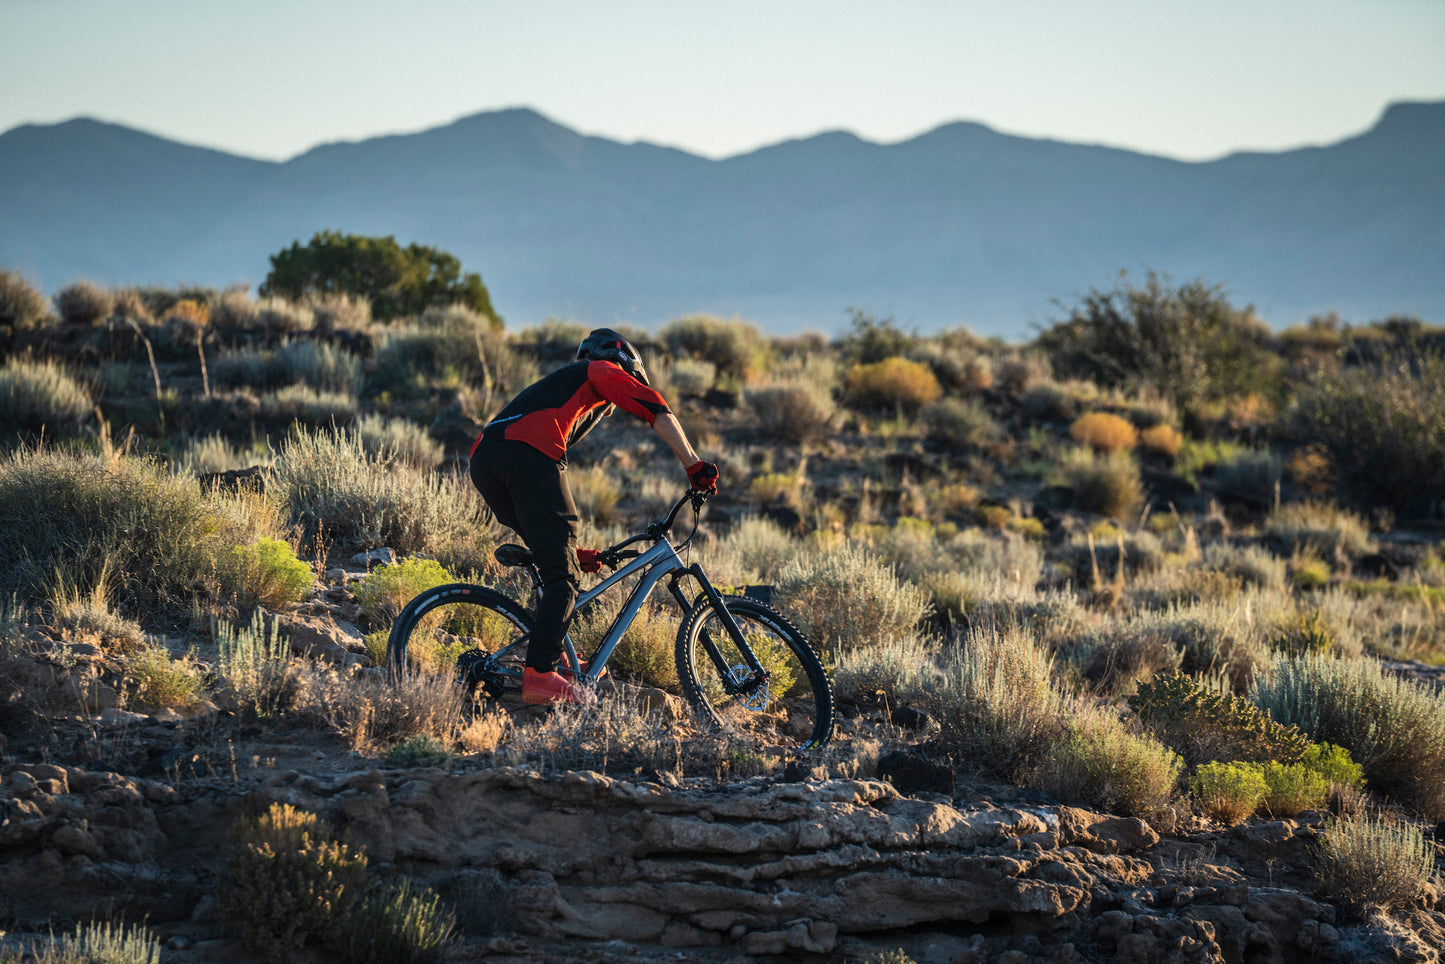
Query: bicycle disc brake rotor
point(757, 700)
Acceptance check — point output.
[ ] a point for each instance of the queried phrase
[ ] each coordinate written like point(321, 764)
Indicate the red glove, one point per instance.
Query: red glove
point(703, 477)
point(587, 560)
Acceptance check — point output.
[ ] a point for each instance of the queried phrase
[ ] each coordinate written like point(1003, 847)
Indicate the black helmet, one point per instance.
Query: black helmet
point(604, 344)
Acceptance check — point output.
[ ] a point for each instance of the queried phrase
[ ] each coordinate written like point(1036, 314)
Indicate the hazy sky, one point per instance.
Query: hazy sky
point(270, 78)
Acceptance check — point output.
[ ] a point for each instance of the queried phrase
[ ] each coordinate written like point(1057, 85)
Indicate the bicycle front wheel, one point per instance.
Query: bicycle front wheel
point(792, 707)
point(479, 630)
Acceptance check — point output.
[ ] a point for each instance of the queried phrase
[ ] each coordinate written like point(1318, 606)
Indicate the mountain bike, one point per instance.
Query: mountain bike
point(743, 667)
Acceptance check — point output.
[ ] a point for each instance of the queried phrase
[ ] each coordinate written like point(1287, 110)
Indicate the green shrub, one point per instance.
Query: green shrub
point(753, 551)
point(446, 349)
point(22, 305)
point(892, 383)
point(270, 575)
point(83, 303)
point(1252, 565)
point(87, 617)
point(1225, 638)
point(1390, 413)
point(645, 652)
point(1334, 764)
point(731, 346)
point(1324, 528)
point(387, 589)
point(1205, 724)
point(1107, 484)
point(40, 398)
point(1229, 792)
point(845, 599)
point(1099, 760)
point(253, 664)
point(872, 339)
point(1394, 727)
point(421, 750)
point(1248, 474)
point(352, 499)
point(161, 681)
point(288, 882)
point(797, 410)
point(301, 403)
point(152, 537)
point(321, 366)
point(896, 670)
point(399, 923)
point(691, 376)
point(1292, 788)
point(1364, 859)
point(962, 423)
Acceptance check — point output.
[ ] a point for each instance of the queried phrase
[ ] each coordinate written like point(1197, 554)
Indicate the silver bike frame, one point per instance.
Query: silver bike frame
point(659, 561)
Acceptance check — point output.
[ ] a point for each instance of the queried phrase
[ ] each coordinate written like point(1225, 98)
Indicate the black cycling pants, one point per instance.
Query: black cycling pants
point(528, 492)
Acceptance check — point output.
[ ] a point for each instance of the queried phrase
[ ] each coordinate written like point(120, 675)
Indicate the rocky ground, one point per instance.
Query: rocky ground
point(122, 814)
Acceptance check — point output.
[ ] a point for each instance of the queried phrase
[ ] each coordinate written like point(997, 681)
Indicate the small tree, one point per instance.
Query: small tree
point(398, 281)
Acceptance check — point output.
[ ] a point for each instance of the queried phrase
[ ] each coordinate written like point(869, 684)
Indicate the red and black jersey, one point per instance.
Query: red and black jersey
point(560, 408)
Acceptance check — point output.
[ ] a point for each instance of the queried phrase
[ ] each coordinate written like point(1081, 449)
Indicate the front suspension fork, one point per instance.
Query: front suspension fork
point(757, 676)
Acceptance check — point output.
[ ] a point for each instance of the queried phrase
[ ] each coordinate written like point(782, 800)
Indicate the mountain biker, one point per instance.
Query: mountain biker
point(519, 465)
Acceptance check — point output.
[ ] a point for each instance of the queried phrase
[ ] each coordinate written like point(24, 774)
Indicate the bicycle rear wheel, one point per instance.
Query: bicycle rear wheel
point(792, 708)
point(481, 631)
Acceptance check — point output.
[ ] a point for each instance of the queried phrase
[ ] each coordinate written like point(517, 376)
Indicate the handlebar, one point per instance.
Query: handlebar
point(658, 531)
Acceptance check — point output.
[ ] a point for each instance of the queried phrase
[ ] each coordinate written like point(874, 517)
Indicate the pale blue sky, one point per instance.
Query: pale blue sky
point(269, 78)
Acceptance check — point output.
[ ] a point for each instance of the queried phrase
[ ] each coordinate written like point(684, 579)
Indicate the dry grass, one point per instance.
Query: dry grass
point(1104, 432)
point(848, 598)
point(1366, 859)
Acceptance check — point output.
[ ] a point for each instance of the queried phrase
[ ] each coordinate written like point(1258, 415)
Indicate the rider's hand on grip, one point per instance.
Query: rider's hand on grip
point(703, 477)
point(587, 560)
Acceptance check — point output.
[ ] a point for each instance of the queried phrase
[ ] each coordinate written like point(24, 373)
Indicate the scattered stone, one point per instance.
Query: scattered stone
point(374, 557)
point(912, 773)
point(114, 717)
point(910, 718)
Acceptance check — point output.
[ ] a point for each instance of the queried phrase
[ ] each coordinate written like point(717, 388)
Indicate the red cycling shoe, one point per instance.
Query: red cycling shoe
point(545, 688)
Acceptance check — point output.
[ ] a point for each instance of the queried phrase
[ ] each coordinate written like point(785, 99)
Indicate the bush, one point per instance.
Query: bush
point(399, 923)
point(1100, 761)
point(1293, 787)
point(645, 652)
point(83, 303)
point(422, 750)
point(846, 599)
point(1394, 727)
point(692, 376)
point(152, 537)
point(754, 551)
point(797, 410)
point(98, 942)
point(1103, 432)
point(1325, 528)
point(338, 492)
point(87, 618)
point(161, 681)
point(397, 281)
point(40, 399)
point(21, 303)
point(1363, 859)
point(1107, 484)
point(1383, 425)
point(897, 670)
point(447, 348)
point(961, 423)
point(254, 666)
point(1228, 792)
point(596, 492)
point(289, 882)
point(1250, 474)
point(370, 712)
point(892, 383)
point(994, 703)
point(302, 403)
point(1161, 440)
point(731, 346)
point(1204, 724)
point(387, 589)
point(398, 438)
point(269, 574)
point(319, 365)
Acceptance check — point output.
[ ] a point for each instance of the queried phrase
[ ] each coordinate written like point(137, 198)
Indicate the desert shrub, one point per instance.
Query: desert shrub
point(269, 574)
point(1364, 859)
point(162, 681)
point(1101, 761)
point(872, 339)
point(233, 309)
point(1320, 526)
point(960, 422)
point(1204, 724)
point(754, 550)
point(1115, 660)
point(994, 703)
point(22, 305)
point(891, 383)
point(1292, 788)
point(1225, 637)
point(341, 312)
point(1103, 432)
point(86, 617)
point(1312, 469)
point(352, 499)
point(730, 346)
point(692, 376)
point(1248, 474)
point(387, 589)
point(320, 365)
point(447, 348)
point(40, 398)
point(215, 453)
point(194, 311)
point(797, 410)
point(154, 538)
point(1161, 440)
point(98, 942)
point(302, 403)
point(406, 441)
point(1187, 344)
point(1228, 792)
point(420, 750)
point(775, 487)
point(399, 922)
point(282, 316)
point(253, 664)
point(621, 730)
point(1252, 565)
point(1107, 484)
point(372, 712)
point(1386, 414)
point(288, 881)
point(1334, 764)
point(1394, 727)
point(84, 303)
point(1308, 571)
point(645, 652)
point(596, 492)
point(956, 361)
point(848, 598)
point(895, 669)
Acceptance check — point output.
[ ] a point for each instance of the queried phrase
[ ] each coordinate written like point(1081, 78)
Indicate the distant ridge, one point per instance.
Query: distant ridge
point(959, 225)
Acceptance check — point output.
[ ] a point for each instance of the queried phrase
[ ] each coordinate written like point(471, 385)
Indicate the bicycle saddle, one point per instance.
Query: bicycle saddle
point(513, 555)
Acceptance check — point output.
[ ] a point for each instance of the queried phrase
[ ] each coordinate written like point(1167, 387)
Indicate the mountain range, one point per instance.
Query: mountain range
point(960, 225)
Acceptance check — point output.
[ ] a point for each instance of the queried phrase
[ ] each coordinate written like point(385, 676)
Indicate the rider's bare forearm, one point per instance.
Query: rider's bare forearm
point(670, 430)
